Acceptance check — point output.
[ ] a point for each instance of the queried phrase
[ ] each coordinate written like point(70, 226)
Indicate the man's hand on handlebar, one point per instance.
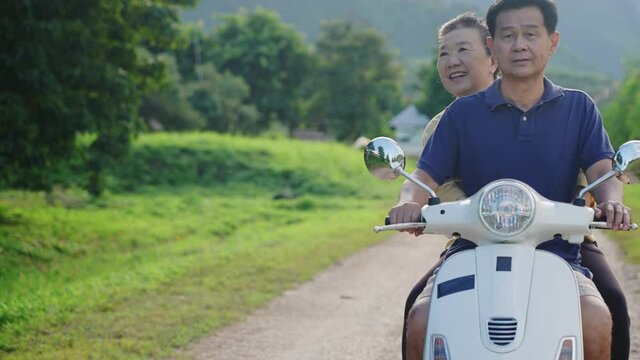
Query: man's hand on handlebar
point(407, 212)
point(617, 215)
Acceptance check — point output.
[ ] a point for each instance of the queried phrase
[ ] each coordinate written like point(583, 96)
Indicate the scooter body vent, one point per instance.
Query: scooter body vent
point(502, 331)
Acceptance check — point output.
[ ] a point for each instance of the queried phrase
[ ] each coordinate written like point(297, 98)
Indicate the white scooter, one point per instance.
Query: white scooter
point(504, 299)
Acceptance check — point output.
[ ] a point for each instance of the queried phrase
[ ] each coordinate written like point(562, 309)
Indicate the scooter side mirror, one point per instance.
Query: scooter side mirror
point(625, 160)
point(383, 157)
point(627, 154)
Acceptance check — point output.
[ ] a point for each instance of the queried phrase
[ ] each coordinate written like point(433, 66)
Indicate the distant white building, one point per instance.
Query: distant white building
point(409, 125)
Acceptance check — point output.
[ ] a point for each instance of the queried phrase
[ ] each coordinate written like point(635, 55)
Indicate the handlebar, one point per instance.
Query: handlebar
point(603, 225)
point(414, 225)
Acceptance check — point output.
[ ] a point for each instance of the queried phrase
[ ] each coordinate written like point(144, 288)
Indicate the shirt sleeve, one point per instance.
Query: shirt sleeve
point(594, 141)
point(440, 154)
point(451, 189)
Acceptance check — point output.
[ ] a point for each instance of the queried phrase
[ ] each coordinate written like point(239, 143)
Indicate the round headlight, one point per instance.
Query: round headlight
point(506, 208)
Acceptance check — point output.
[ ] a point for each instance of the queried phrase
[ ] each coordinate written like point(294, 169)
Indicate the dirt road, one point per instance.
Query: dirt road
point(354, 309)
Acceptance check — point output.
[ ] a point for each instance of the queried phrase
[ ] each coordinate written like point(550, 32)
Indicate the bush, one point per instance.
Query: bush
point(212, 160)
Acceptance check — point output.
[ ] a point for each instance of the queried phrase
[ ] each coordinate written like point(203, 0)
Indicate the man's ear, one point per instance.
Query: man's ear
point(494, 65)
point(490, 43)
point(555, 41)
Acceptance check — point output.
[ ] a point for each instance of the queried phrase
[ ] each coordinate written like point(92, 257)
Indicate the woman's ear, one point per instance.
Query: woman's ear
point(490, 43)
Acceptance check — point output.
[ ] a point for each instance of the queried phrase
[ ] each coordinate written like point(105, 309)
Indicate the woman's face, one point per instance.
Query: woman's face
point(463, 64)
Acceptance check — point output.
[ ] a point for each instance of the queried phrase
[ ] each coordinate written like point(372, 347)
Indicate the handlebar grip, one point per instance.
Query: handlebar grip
point(387, 220)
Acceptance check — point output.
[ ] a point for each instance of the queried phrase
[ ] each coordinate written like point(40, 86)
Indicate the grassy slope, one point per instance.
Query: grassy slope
point(135, 275)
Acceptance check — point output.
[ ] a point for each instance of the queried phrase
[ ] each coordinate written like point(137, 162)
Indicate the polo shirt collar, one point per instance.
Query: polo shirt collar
point(494, 98)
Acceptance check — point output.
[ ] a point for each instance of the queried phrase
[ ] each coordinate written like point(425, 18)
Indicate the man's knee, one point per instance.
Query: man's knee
point(595, 313)
point(596, 327)
point(416, 328)
point(417, 319)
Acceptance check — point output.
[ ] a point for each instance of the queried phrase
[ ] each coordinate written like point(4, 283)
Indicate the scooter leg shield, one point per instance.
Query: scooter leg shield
point(504, 302)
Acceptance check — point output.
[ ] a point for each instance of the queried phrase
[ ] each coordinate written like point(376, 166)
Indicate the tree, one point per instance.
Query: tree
point(168, 107)
point(434, 96)
point(597, 85)
point(270, 56)
point(220, 99)
point(71, 67)
point(190, 54)
point(622, 114)
point(210, 101)
point(358, 85)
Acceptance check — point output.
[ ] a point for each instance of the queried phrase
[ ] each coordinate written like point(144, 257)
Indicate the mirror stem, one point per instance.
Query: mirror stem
point(414, 180)
point(599, 181)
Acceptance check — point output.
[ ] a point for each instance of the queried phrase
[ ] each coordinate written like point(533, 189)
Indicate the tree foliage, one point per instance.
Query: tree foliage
point(210, 101)
point(190, 54)
point(412, 25)
point(434, 96)
point(220, 98)
point(168, 107)
point(598, 86)
point(269, 55)
point(75, 66)
point(622, 114)
point(357, 86)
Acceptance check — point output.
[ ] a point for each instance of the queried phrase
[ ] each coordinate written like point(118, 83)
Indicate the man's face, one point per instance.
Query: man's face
point(522, 46)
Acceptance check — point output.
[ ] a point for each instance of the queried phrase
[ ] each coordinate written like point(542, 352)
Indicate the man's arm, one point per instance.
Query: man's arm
point(609, 197)
point(411, 200)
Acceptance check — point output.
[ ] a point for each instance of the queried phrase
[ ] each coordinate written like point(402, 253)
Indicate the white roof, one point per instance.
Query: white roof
point(409, 117)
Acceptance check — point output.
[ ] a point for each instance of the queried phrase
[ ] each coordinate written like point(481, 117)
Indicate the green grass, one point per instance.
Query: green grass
point(188, 239)
point(139, 274)
point(629, 241)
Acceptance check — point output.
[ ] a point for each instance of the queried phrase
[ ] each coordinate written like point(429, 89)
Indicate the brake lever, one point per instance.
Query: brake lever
point(402, 226)
point(603, 225)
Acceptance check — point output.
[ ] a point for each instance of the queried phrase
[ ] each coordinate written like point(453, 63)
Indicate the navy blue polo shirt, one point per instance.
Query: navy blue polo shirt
point(483, 137)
